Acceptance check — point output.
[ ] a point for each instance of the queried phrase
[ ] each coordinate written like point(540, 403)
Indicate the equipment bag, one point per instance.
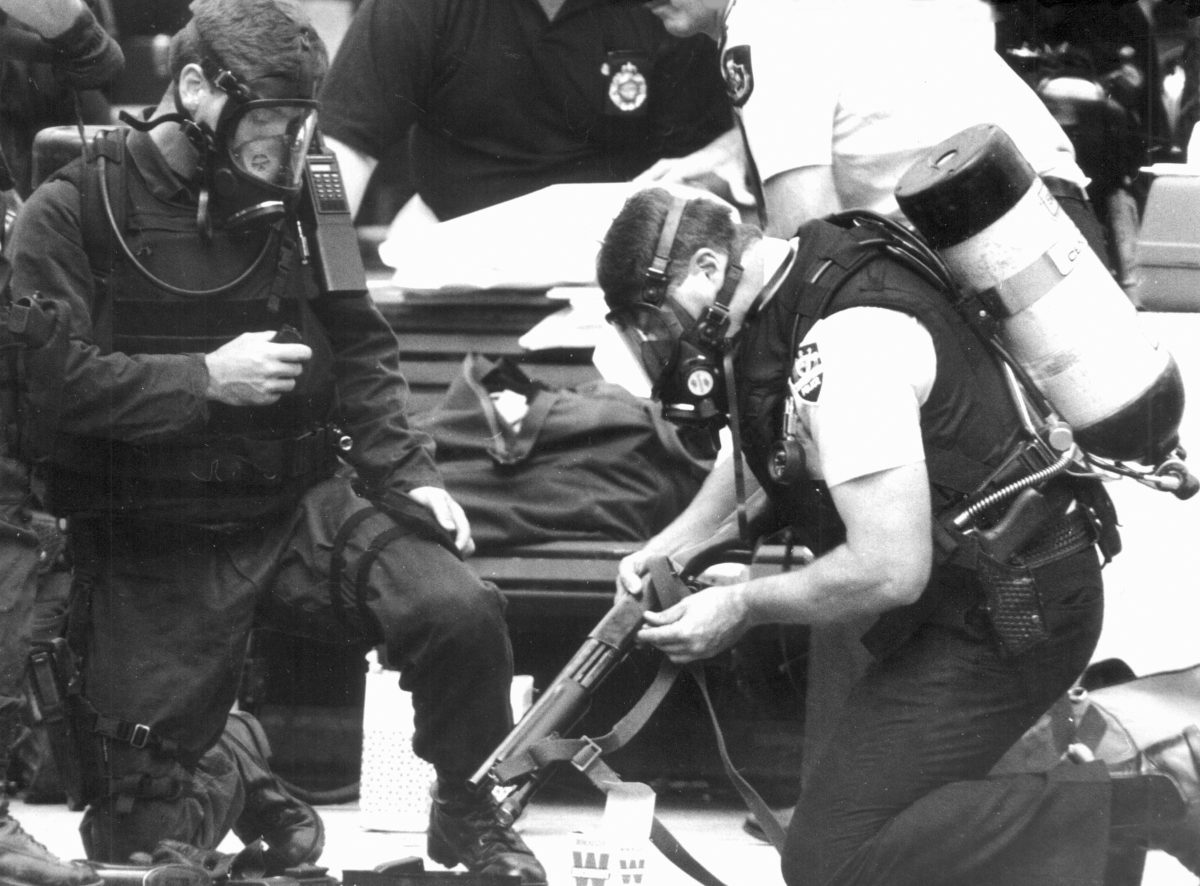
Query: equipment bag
point(587, 463)
point(1115, 723)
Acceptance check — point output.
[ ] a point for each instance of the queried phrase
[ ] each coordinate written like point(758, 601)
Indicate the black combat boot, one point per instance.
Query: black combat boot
point(292, 830)
point(1156, 798)
point(464, 828)
point(26, 862)
point(23, 860)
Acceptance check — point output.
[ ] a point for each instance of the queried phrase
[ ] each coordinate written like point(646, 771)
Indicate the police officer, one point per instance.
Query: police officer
point(869, 411)
point(835, 101)
point(837, 98)
point(84, 57)
point(230, 445)
point(489, 101)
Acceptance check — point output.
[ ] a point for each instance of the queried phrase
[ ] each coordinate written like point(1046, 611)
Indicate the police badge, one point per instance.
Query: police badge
point(627, 85)
point(738, 73)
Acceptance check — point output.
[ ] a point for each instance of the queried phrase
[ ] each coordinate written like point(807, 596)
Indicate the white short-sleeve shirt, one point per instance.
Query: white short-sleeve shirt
point(862, 376)
point(869, 86)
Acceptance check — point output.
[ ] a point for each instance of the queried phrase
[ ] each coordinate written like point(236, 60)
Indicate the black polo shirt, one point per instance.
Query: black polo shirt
point(505, 102)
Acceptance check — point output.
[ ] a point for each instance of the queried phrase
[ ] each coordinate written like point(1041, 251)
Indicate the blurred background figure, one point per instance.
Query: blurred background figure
point(468, 104)
point(63, 43)
point(1097, 68)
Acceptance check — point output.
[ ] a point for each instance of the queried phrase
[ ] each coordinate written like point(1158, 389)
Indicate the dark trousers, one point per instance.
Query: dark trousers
point(901, 794)
point(169, 612)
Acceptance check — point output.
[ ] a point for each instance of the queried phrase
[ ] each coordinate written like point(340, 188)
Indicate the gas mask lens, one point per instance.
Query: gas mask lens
point(269, 140)
point(258, 165)
point(651, 336)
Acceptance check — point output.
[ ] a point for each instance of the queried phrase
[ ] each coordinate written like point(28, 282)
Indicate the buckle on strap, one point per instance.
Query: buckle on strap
point(588, 754)
point(137, 735)
point(140, 736)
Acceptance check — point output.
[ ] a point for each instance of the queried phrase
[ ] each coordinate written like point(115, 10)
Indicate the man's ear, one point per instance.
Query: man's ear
point(710, 263)
point(193, 85)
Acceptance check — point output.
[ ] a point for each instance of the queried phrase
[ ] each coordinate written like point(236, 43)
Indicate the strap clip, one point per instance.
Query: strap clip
point(140, 736)
point(588, 754)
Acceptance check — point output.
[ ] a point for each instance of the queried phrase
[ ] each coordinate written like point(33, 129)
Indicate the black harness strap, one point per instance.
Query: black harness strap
point(363, 574)
point(754, 802)
point(337, 559)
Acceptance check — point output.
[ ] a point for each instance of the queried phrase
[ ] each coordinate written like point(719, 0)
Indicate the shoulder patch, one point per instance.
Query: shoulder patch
point(807, 373)
point(738, 73)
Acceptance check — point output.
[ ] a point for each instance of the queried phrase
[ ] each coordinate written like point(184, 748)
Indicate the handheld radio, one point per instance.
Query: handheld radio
point(328, 227)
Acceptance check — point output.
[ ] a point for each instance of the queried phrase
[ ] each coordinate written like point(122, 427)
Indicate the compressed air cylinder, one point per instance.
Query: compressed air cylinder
point(1060, 314)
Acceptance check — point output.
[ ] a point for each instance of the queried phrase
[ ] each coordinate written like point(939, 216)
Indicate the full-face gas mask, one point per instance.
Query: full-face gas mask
point(681, 357)
point(253, 165)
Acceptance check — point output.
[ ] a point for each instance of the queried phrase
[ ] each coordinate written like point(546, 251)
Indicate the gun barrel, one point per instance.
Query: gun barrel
point(566, 699)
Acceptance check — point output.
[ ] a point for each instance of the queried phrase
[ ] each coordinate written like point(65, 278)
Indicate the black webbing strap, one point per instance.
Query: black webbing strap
point(337, 559)
point(137, 735)
point(754, 802)
point(367, 560)
point(604, 778)
point(739, 464)
point(669, 593)
point(583, 751)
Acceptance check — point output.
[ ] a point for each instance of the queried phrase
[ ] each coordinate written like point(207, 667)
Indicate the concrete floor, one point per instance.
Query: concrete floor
point(710, 830)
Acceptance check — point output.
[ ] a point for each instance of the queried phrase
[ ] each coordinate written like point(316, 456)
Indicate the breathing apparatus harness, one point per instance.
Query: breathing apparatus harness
point(1050, 441)
point(695, 378)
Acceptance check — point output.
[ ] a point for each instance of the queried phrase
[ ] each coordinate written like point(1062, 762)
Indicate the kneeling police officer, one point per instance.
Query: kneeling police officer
point(227, 436)
point(868, 410)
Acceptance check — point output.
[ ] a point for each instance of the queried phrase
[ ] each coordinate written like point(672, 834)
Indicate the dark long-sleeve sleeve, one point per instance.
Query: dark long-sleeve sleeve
point(387, 453)
point(130, 398)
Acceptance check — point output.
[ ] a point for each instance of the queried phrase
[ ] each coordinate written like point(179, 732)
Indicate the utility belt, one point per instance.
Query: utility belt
point(226, 481)
point(1039, 527)
point(233, 459)
point(1035, 528)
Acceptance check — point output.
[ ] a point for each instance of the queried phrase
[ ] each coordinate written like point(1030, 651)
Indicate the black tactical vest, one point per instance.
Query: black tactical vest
point(969, 423)
point(248, 461)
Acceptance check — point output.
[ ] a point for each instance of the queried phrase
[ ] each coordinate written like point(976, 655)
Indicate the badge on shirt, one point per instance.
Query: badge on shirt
point(807, 373)
point(739, 75)
point(627, 84)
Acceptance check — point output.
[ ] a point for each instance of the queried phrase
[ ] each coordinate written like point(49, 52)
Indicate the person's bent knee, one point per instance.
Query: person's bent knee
point(470, 616)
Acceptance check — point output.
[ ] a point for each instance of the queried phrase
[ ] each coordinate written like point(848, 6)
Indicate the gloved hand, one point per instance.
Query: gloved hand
point(85, 55)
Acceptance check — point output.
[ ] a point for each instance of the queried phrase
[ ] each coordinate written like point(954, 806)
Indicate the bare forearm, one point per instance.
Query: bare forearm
point(833, 588)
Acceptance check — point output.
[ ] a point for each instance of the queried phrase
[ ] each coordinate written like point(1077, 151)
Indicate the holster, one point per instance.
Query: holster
point(1040, 527)
point(54, 681)
point(1013, 605)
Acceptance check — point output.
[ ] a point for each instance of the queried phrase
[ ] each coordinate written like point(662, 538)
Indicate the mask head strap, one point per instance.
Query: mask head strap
point(233, 86)
point(656, 280)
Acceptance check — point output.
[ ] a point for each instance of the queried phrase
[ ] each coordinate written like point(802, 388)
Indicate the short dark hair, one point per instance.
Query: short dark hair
point(628, 246)
point(270, 44)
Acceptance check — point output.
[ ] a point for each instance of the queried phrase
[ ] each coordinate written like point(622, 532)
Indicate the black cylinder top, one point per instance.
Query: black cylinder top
point(964, 184)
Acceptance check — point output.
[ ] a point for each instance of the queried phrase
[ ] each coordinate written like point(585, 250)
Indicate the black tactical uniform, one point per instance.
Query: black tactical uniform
point(191, 521)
